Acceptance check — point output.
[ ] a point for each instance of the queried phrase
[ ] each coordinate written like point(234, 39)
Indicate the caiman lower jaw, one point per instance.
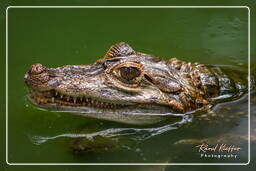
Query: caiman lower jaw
point(53, 97)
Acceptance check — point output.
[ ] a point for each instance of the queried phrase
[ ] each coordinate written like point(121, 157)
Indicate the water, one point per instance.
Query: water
point(56, 37)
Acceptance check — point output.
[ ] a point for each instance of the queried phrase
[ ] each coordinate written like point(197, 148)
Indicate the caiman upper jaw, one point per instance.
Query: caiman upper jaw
point(73, 88)
point(55, 98)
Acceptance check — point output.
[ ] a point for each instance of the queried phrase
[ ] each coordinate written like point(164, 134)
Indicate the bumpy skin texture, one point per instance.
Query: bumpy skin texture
point(125, 81)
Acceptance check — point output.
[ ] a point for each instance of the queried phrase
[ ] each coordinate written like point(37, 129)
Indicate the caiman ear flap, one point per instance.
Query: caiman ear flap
point(119, 50)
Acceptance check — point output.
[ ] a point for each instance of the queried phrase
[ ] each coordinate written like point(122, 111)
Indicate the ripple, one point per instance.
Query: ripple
point(138, 134)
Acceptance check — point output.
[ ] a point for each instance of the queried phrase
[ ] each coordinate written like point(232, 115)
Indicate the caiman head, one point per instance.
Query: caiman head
point(124, 82)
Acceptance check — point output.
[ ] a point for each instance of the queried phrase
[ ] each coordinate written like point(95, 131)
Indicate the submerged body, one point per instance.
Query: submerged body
point(131, 87)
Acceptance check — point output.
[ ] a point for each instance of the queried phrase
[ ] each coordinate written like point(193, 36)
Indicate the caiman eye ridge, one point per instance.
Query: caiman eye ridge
point(55, 97)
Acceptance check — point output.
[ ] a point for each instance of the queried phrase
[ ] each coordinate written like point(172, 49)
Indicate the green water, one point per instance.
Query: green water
point(56, 37)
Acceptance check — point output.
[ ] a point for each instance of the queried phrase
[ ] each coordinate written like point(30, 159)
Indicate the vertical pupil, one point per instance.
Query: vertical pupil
point(129, 73)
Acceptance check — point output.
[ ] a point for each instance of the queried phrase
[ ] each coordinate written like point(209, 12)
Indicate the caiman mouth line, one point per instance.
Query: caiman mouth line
point(55, 97)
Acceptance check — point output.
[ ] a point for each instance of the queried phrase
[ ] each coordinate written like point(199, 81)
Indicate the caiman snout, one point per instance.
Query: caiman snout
point(36, 76)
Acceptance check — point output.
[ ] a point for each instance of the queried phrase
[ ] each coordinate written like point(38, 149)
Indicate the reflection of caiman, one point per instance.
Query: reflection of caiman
point(125, 84)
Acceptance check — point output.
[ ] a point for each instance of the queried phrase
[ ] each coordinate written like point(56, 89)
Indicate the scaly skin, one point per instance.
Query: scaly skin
point(124, 84)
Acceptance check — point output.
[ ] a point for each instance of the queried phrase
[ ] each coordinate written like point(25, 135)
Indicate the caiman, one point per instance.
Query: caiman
point(130, 86)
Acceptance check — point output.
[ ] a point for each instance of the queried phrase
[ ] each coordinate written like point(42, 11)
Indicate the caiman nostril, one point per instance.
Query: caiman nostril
point(37, 69)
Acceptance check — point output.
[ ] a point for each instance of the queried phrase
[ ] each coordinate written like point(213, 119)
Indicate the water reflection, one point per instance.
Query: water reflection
point(138, 134)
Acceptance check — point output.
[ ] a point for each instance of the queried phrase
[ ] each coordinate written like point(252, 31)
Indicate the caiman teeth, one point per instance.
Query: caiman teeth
point(64, 99)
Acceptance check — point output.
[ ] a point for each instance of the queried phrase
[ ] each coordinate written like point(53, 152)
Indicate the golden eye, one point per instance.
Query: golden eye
point(126, 75)
point(129, 73)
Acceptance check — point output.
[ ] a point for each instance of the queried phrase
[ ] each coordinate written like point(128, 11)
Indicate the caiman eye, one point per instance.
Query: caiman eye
point(126, 74)
point(129, 73)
